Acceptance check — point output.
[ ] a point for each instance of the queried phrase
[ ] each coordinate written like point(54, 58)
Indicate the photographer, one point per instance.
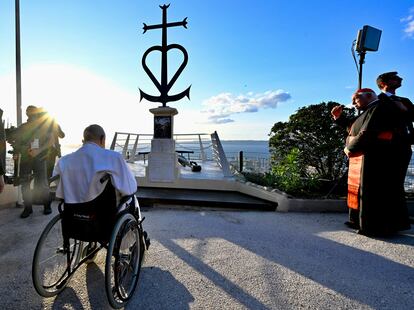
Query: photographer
point(31, 142)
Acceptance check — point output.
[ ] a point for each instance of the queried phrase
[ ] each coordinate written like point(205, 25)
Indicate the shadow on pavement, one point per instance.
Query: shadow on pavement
point(360, 275)
point(400, 239)
point(158, 289)
point(231, 288)
point(61, 301)
point(95, 282)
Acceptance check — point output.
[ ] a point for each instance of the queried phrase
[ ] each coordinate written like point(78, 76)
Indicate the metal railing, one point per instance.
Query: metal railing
point(198, 146)
point(250, 161)
point(132, 146)
point(219, 156)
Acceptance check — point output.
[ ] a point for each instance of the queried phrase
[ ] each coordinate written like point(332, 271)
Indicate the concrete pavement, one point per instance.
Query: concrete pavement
point(209, 259)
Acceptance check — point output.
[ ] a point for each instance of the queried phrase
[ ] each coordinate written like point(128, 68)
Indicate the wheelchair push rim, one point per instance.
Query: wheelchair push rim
point(52, 261)
point(123, 261)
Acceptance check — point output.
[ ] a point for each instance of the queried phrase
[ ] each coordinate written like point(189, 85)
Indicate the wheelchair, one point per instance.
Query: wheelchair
point(79, 232)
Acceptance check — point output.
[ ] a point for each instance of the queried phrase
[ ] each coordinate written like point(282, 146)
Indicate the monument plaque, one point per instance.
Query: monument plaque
point(162, 127)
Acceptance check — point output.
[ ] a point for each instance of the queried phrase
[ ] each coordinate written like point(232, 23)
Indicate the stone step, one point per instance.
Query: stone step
point(148, 196)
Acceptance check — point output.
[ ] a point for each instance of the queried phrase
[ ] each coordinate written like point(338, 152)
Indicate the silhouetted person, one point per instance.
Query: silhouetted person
point(32, 141)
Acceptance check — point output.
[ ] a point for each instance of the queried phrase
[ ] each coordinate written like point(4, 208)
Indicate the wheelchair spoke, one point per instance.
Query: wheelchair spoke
point(51, 262)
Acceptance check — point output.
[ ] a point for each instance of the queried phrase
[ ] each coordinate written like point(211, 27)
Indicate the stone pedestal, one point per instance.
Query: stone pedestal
point(162, 161)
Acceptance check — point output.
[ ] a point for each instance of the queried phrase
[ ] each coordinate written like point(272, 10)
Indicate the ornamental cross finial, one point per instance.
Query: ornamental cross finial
point(165, 86)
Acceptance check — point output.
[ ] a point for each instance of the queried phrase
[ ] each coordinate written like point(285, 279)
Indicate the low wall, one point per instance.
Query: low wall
point(288, 203)
point(317, 205)
point(285, 202)
point(8, 196)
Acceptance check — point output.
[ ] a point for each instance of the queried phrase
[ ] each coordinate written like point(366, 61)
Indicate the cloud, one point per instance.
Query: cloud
point(219, 108)
point(219, 119)
point(408, 22)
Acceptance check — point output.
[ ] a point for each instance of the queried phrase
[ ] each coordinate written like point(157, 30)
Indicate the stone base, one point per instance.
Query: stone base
point(162, 161)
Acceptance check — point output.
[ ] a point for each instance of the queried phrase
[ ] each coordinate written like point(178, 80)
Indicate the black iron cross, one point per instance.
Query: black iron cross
point(165, 86)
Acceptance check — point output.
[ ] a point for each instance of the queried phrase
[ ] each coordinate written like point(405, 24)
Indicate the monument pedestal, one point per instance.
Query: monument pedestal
point(162, 160)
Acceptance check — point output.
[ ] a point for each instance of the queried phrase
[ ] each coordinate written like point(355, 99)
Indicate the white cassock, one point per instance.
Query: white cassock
point(80, 173)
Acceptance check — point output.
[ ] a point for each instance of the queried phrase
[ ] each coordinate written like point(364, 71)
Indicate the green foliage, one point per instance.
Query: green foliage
point(263, 179)
point(288, 171)
point(308, 148)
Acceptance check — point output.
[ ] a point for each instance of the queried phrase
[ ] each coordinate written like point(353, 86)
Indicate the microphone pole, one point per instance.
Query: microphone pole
point(361, 55)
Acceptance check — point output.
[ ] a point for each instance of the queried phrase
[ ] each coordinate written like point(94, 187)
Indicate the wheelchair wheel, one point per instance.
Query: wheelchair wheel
point(50, 271)
point(123, 260)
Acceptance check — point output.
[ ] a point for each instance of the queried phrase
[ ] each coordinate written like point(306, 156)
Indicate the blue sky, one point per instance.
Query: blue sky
point(251, 63)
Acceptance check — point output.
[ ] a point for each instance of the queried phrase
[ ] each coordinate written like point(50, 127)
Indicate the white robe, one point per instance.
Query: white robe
point(80, 173)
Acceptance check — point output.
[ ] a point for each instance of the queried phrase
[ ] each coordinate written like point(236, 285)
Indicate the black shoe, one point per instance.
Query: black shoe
point(47, 210)
point(374, 234)
point(361, 232)
point(26, 212)
point(351, 225)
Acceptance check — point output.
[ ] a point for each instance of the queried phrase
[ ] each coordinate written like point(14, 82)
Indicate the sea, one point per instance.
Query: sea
point(249, 148)
point(231, 147)
point(255, 152)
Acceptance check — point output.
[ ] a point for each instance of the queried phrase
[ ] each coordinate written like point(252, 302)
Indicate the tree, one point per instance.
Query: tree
point(314, 138)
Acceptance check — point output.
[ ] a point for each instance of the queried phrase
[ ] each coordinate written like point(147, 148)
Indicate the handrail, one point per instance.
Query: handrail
point(219, 155)
point(129, 143)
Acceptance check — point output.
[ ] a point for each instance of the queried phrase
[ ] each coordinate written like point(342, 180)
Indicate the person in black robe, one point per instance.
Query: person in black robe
point(388, 83)
point(373, 146)
point(346, 122)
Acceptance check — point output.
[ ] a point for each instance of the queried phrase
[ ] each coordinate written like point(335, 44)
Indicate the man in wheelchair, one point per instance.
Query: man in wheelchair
point(98, 206)
point(93, 181)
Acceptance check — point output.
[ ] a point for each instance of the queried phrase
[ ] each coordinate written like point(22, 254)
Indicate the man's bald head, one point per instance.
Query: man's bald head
point(94, 133)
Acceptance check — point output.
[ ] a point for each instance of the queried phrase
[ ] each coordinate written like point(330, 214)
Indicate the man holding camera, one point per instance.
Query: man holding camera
point(30, 147)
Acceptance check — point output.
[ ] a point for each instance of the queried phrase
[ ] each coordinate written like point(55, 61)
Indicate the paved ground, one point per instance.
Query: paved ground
point(202, 259)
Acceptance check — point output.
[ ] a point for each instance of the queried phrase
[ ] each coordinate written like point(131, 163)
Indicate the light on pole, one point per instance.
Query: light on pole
point(368, 40)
